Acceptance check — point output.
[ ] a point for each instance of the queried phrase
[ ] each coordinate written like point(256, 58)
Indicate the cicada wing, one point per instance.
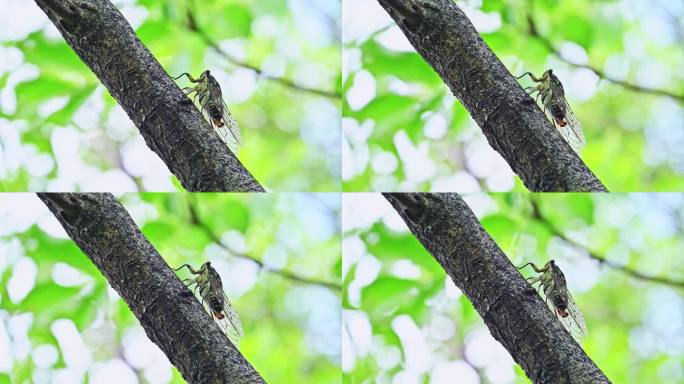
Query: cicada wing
point(548, 286)
point(225, 323)
point(232, 316)
point(230, 131)
point(572, 131)
point(574, 323)
point(207, 307)
point(230, 324)
point(228, 330)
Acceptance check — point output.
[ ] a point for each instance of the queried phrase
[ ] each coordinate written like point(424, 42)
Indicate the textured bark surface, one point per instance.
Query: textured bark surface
point(510, 119)
point(171, 125)
point(512, 310)
point(170, 314)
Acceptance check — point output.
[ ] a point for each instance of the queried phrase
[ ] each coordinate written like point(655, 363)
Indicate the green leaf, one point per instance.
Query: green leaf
point(576, 28)
point(407, 66)
point(384, 296)
point(384, 106)
point(583, 206)
point(238, 19)
point(391, 245)
point(50, 250)
point(64, 115)
point(492, 5)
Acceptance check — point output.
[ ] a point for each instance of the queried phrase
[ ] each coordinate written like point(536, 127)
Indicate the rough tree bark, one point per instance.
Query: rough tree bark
point(510, 119)
point(170, 314)
point(167, 119)
point(516, 316)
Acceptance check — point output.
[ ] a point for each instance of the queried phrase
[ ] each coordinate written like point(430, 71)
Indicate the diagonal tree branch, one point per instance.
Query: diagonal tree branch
point(534, 32)
point(196, 220)
point(170, 314)
point(168, 120)
point(515, 315)
point(536, 214)
point(512, 122)
point(194, 27)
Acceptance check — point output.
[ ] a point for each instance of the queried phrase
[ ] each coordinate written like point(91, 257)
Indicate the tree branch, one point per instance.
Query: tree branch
point(196, 220)
point(193, 26)
point(170, 314)
point(168, 120)
point(534, 32)
point(536, 213)
point(511, 120)
point(512, 310)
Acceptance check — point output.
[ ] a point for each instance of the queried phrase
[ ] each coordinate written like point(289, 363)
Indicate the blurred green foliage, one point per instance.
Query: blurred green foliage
point(632, 137)
point(286, 338)
point(291, 136)
point(633, 324)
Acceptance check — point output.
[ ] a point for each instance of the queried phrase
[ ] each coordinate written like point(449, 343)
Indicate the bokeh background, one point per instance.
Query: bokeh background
point(404, 131)
point(404, 321)
point(278, 63)
point(60, 321)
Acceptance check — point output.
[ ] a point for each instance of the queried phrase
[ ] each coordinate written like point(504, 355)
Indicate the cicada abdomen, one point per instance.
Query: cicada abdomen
point(552, 94)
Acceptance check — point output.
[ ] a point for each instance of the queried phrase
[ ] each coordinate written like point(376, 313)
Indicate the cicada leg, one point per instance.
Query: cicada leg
point(536, 80)
point(530, 90)
point(536, 269)
point(189, 268)
point(188, 90)
point(192, 79)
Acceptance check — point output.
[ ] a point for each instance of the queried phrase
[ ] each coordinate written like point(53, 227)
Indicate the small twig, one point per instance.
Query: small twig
point(534, 32)
point(192, 25)
point(536, 213)
point(195, 219)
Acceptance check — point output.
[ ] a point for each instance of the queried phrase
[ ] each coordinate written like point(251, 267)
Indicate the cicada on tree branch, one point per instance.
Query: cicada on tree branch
point(208, 90)
point(550, 89)
point(552, 281)
point(214, 300)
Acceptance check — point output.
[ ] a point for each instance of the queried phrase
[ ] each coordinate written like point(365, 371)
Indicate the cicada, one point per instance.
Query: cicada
point(214, 300)
point(552, 282)
point(550, 89)
point(208, 90)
